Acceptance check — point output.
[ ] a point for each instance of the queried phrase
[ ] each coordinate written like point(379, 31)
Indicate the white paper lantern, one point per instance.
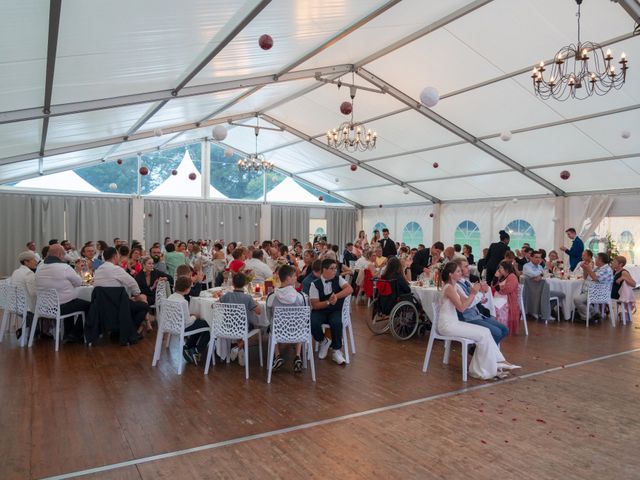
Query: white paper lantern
point(406, 191)
point(228, 152)
point(113, 186)
point(625, 134)
point(219, 132)
point(554, 219)
point(429, 97)
point(515, 200)
point(505, 136)
point(337, 180)
point(157, 132)
point(221, 223)
point(167, 221)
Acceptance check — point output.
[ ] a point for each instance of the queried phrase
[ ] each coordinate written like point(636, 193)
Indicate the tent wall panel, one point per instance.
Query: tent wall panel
point(341, 226)
point(95, 218)
point(290, 222)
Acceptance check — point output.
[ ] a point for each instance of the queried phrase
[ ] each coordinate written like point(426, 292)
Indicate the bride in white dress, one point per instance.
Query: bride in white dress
point(487, 361)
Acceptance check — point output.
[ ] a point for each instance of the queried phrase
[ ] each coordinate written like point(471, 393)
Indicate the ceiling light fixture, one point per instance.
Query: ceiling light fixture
point(579, 70)
point(256, 162)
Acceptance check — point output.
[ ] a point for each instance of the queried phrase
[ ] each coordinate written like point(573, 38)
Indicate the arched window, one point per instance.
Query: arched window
point(521, 232)
point(593, 244)
point(626, 245)
point(379, 226)
point(412, 234)
point(319, 232)
point(468, 233)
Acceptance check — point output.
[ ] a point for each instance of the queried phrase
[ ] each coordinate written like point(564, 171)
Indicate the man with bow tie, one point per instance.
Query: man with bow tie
point(327, 295)
point(388, 245)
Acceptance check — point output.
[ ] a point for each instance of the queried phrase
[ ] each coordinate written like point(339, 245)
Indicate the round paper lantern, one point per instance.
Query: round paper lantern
point(221, 223)
point(321, 198)
point(406, 191)
point(354, 167)
point(119, 161)
point(554, 219)
point(337, 180)
point(505, 136)
point(228, 152)
point(380, 206)
point(157, 132)
point(174, 172)
point(219, 132)
point(143, 170)
point(564, 175)
point(167, 221)
point(192, 176)
point(431, 215)
point(435, 165)
point(625, 134)
point(265, 41)
point(346, 108)
point(113, 186)
point(429, 97)
point(514, 200)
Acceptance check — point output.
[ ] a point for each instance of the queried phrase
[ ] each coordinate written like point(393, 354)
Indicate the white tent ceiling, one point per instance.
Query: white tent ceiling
point(108, 75)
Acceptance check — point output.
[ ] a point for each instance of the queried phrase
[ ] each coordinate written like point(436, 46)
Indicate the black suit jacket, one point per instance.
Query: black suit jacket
point(388, 247)
point(421, 260)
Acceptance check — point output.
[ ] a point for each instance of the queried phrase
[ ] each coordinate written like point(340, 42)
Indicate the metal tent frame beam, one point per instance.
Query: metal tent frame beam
point(55, 8)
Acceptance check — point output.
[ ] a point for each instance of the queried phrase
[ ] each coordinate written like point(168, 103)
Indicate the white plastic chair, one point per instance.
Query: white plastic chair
point(209, 275)
point(347, 329)
point(523, 314)
point(230, 322)
point(48, 306)
point(465, 342)
point(598, 294)
point(624, 310)
point(557, 300)
point(291, 325)
point(172, 319)
point(5, 286)
point(161, 294)
point(16, 304)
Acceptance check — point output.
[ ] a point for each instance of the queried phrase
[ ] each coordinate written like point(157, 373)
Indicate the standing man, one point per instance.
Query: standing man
point(388, 245)
point(577, 247)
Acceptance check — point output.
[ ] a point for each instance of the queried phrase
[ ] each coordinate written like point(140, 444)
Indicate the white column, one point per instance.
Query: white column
point(137, 220)
point(205, 167)
point(560, 225)
point(437, 211)
point(265, 222)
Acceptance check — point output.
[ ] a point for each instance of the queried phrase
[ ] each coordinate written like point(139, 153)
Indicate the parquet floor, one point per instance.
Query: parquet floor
point(85, 408)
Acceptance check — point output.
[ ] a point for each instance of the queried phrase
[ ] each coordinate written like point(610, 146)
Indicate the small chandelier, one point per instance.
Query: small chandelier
point(579, 71)
point(255, 162)
point(351, 136)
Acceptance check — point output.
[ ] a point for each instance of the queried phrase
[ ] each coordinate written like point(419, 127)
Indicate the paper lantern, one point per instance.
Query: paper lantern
point(431, 215)
point(167, 221)
point(354, 167)
point(143, 170)
point(435, 165)
point(119, 161)
point(157, 132)
point(346, 108)
point(406, 191)
point(564, 175)
point(174, 172)
point(337, 180)
point(505, 136)
point(113, 186)
point(625, 134)
point(265, 41)
point(219, 132)
point(514, 200)
point(429, 97)
point(228, 152)
point(380, 206)
point(192, 176)
point(555, 219)
point(321, 198)
point(221, 223)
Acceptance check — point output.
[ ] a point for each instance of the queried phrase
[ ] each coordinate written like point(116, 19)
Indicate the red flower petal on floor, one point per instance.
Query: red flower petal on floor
point(506, 441)
point(514, 419)
point(539, 420)
point(482, 441)
point(592, 435)
point(480, 410)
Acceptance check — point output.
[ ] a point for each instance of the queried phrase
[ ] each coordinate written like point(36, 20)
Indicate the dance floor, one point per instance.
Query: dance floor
point(104, 412)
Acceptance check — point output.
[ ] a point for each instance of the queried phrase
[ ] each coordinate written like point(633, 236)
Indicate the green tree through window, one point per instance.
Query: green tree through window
point(521, 232)
point(468, 233)
point(412, 234)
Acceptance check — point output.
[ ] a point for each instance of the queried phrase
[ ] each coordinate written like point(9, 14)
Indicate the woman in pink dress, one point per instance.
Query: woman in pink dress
point(507, 287)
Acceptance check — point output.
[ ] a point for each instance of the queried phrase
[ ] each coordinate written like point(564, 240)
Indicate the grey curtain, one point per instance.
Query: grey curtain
point(341, 226)
point(95, 219)
point(289, 222)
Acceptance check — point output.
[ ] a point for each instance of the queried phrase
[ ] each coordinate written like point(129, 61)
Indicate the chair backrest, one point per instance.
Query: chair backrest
point(208, 273)
point(171, 317)
point(16, 300)
point(5, 285)
point(291, 324)
point(161, 291)
point(229, 320)
point(346, 311)
point(47, 304)
point(599, 293)
point(434, 321)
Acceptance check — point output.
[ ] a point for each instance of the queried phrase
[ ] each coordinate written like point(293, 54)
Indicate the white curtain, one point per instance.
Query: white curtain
point(586, 213)
point(96, 218)
point(341, 226)
point(290, 222)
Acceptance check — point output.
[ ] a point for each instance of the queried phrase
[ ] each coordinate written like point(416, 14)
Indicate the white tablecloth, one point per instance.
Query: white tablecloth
point(634, 270)
point(428, 295)
point(202, 307)
point(84, 292)
point(570, 288)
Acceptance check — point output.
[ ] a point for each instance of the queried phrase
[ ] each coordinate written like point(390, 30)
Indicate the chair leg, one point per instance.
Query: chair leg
point(427, 355)
point(464, 361)
point(32, 332)
point(588, 314)
point(23, 338)
point(260, 348)
point(211, 358)
point(57, 333)
point(311, 360)
point(158, 350)
point(166, 344)
point(271, 353)
point(345, 344)
point(305, 355)
point(181, 361)
point(526, 327)
point(353, 342)
point(246, 358)
point(614, 319)
point(447, 352)
point(5, 318)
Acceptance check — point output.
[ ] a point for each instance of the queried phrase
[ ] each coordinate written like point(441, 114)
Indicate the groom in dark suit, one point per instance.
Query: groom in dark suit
point(388, 245)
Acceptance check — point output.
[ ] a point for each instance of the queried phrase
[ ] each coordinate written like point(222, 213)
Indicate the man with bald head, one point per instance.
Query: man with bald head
point(54, 273)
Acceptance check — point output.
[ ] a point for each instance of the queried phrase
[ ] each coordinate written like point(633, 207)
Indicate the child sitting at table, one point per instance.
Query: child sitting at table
point(195, 276)
point(195, 345)
point(287, 296)
point(238, 295)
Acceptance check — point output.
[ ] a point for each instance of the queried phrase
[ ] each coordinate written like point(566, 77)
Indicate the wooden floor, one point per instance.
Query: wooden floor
point(564, 416)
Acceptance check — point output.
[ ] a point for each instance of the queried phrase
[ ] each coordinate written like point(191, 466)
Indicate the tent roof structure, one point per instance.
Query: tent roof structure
point(288, 189)
point(67, 180)
point(84, 83)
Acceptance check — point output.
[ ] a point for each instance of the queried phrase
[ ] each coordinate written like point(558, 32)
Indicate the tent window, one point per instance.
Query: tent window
point(626, 245)
point(379, 226)
point(521, 232)
point(468, 233)
point(594, 245)
point(412, 234)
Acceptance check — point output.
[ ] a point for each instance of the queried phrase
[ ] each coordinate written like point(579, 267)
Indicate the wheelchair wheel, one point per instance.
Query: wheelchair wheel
point(403, 320)
point(378, 323)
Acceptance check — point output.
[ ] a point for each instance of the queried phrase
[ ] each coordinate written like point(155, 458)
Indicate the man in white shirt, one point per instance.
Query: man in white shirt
point(256, 264)
point(587, 259)
point(327, 295)
point(70, 254)
point(32, 246)
point(536, 290)
point(24, 276)
point(53, 273)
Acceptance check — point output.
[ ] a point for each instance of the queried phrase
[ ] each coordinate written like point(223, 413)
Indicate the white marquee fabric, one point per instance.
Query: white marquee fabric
point(67, 180)
point(287, 190)
point(118, 61)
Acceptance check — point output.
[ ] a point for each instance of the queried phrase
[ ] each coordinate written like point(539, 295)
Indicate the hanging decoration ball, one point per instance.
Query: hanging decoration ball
point(119, 161)
point(219, 132)
point(337, 180)
point(192, 176)
point(228, 152)
point(346, 108)
point(431, 215)
point(380, 206)
point(221, 223)
point(429, 97)
point(505, 136)
point(354, 167)
point(514, 200)
point(158, 132)
point(406, 191)
point(435, 165)
point(625, 134)
point(143, 170)
point(113, 186)
point(167, 221)
point(255, 224)
point(554, 219)
point(265, 41)
point(174, 172)
point(564, 175)
point(321, 198)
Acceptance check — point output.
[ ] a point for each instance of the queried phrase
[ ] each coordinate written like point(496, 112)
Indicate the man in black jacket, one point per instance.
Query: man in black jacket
point(388, 245)
point(425, 258)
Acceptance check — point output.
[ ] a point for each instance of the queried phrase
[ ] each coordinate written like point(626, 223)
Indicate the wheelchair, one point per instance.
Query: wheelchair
point(402, 315)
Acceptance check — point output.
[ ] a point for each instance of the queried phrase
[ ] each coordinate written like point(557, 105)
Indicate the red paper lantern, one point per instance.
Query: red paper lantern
point(354, 167)
point(321, 198)
point(192, 176)
point(380, 206)
point(174, 172)
point(346, 108)
point(564, 175)
point(144, 170)
point(119, 161)
point(265, 41)
point(431, 215)
point(435, 165)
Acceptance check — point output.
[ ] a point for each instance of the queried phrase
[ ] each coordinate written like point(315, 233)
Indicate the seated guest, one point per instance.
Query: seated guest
point(133, 265)
point(466, 251)
point(32, 246)
point(101, 246)
point(54, 273)
point(256, 264)
point(148, 279)
point(587, 258)
point(110, 274)
point(239, 257)
point(70, 252)
point(123, 251)
point(195, 276)
point(88, 252)
point(155, 252)
point(448, 254)
point(316, 271)
point(523, 257)
point(349, 255)
point(473, 314)
point(511, 257)
point(380, 260)
point(424, 258)
point(553, 264)
point(24, 276)
point(173, 259)
point(395, 272)
point(287, 296)
point(327, 295)
point(238, 295)
point(536, 292)
point(231, 246)
point(482, 263)
point(543, 254)
point(196, 344)
point(623, 282)
point(363, 261)
point(602, 274)
point(307, 260)
point(507, 296)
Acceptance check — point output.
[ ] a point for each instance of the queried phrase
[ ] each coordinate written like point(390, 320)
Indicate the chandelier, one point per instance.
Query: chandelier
point(578, 71)
point(352, 136)
point(255, 162)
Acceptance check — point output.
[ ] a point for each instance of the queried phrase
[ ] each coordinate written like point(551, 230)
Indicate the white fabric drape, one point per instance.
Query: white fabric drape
point(289, 222)
point(586, 213)
point(341, 226)
point(98, 219)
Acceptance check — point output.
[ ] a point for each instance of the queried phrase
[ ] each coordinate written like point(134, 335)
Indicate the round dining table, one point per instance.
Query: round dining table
point(570, 288)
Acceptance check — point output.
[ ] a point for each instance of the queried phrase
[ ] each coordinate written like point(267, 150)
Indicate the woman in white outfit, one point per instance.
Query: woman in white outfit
point(487, 361)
